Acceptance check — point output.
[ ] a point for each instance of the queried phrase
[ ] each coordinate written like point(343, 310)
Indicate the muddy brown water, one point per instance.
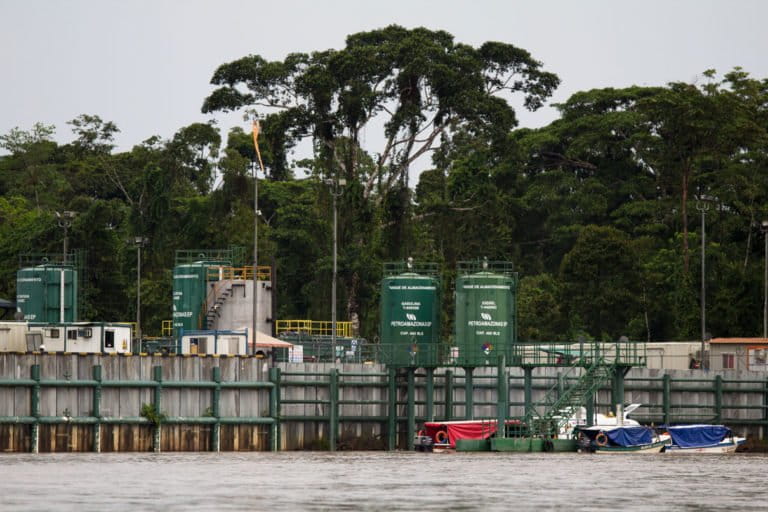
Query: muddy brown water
point(383, 481)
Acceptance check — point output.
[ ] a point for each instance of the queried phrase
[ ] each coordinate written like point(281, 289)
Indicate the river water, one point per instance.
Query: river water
point(381, 481)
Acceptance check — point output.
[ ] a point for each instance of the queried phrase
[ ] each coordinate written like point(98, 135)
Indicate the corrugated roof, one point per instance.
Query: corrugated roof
point(740, 341)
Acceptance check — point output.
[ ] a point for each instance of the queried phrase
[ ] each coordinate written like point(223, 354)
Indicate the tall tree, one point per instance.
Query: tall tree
point(418, 84)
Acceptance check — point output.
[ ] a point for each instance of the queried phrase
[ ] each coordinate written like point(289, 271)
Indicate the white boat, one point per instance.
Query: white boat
point(579, 420)
point(686, 439)
point(627, 439)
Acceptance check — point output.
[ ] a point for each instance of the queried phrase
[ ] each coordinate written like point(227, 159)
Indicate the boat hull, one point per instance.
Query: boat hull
point(656, 447)
point(726, 447)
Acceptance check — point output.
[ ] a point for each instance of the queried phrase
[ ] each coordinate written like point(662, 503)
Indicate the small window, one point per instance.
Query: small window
point(729, 361)
point(72, 335)
point(53, 334)
point(109, 339)
point(84, 333)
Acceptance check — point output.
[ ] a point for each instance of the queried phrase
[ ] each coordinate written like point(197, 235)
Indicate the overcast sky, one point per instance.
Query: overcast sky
point(146, 64)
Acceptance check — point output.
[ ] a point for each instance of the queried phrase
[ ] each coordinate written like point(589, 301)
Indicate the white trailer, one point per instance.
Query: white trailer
point(13, 337)
point(214, 342)
point(88, 337)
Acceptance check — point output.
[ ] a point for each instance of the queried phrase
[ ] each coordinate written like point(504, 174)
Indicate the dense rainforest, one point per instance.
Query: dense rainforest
point(600, 211)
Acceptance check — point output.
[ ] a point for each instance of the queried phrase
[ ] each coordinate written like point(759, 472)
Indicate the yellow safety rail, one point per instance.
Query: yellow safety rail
point(313, 327)
point(263, 273)
point(167, 328)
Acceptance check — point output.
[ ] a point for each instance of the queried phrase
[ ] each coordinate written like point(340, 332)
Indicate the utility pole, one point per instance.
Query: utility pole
point(139, 242)
point(65, 221)
point(764, 229)
point(336, 192)
point(702, 205)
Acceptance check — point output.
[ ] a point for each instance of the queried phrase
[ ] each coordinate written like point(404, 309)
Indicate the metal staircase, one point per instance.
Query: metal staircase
point(548, 417)
point(214, 310)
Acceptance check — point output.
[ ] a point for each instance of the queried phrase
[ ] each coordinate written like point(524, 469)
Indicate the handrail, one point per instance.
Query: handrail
point(313, 327)
point(223, 273)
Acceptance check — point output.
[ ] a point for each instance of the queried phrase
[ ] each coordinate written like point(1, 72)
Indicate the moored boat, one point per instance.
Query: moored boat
point(686, 439)
point(620, 440)
point(446, 434)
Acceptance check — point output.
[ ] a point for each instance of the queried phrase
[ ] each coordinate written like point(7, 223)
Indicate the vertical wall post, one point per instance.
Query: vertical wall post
point(560, 384)
point(392, 416)
point(469, 394)
point(502, 397)
point(157, 372)
point(667, 398)
point(333, 413)
point(617, 390)
point(764, 427)
point(274, 409)
point(96, 370)
point(448, 395)
point(528, 389)
point(216, 410)
point(590, 407)
point(35, 409)
point(718, 398)
point(411, 413)
point(430, 398)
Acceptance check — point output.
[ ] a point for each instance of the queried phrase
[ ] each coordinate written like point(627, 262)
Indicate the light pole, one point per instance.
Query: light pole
point(764, 229)
point(255, 257)
point(139, 242)
point(256, 129)
point(336, 192)
point(65, 221)
point(702, 205)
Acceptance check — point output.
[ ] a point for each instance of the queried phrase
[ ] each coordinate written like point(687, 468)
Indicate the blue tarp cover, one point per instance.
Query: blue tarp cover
point(698, 436)
point(630, 436)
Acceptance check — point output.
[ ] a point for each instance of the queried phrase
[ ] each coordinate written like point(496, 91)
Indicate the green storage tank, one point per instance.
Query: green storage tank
point(189, 295)
point(39, 293)
point(189, 289)
point(486, 313)
point(410, 314)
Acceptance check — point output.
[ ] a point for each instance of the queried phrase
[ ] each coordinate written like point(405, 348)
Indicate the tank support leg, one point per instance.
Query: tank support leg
point(411, 408)
point(392, 417)
point(430, 412)
point(449, 395)
point(502, 394)
point(469, 394)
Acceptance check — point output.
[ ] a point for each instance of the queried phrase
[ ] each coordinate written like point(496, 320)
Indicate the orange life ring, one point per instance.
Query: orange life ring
point(441, 436)
point(601, 439)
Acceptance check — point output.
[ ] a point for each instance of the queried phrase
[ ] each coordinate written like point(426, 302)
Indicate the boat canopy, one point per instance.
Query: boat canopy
point(622, 436)
point(698, 436)
point(464, 429)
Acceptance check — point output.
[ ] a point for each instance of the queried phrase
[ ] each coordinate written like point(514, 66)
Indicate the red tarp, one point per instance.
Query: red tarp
point(472, 429)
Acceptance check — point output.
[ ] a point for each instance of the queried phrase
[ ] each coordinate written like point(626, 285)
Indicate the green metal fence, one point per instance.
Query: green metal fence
point(407, 398)
point(153, 411)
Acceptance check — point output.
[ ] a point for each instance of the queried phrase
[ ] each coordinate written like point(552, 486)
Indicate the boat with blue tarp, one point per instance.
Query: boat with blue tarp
point(702, 439)
point(620, 439)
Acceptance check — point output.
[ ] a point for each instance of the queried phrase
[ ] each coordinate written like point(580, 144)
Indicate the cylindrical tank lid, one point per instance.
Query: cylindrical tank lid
point(409, 266)
point(484, 265)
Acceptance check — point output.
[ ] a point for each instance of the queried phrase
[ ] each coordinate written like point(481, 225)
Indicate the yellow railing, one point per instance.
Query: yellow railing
point(313, 327)
point(167, 328)
point(263, 273)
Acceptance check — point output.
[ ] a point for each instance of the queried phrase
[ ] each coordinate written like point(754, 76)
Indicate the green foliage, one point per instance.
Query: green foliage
point(597, 210)
point(152, 414)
